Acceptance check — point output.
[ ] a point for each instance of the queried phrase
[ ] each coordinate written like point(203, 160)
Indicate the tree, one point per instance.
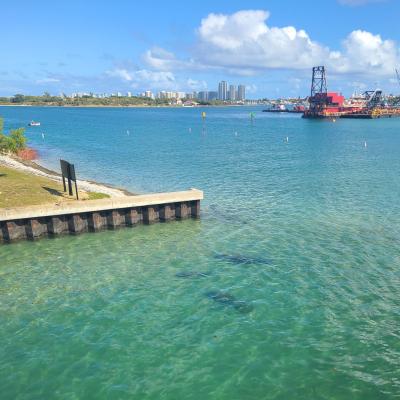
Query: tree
point(18, 139)
point(3, 143)
point(18, 98)
point(13, 142)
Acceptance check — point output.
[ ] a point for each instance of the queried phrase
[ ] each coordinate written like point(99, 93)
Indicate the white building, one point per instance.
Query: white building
point(232, 93)
point(148, 94)
point(170, 95)
point(241, 95)
point(223, 90)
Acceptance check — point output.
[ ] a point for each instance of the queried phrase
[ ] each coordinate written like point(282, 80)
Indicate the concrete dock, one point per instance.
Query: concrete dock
point(93, 215)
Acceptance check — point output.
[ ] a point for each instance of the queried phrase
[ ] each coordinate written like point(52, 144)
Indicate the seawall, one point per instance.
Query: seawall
point(95, 215)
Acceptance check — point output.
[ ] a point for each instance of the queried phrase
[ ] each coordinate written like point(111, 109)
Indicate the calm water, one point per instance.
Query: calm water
point(287, 288)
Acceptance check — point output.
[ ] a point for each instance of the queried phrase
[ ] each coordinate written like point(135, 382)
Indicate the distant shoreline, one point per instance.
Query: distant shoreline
point(128, 106)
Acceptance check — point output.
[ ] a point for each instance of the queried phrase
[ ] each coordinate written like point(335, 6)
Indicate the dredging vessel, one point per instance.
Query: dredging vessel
point(281, 108)
point(324, 104)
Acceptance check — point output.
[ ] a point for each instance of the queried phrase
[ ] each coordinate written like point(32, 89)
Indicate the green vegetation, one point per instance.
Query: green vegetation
point(23, 189)
point(97, 196)
point(212, 103)
point(90, 101)
point(14, 141)
point(113, 101)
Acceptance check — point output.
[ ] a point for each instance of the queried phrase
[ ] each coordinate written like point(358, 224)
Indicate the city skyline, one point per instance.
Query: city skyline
point(235, 93)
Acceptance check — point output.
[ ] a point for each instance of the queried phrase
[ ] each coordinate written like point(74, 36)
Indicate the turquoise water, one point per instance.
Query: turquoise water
point(287, 288)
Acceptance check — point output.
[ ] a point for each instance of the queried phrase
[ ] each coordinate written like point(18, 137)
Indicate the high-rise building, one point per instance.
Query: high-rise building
point(232, 92)
point(212, 96)
point(202, 96)
point(166, 95)
point(129, 94)
point(241, 95)
point(223, 90)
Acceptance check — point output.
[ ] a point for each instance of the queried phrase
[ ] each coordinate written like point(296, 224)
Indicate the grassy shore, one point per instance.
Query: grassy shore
point(19, 188)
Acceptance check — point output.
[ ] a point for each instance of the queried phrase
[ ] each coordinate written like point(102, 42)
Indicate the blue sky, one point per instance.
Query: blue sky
point(270, 46)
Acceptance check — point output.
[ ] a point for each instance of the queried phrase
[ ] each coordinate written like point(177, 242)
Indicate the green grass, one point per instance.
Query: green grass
point(23, 189)
point(96, 196)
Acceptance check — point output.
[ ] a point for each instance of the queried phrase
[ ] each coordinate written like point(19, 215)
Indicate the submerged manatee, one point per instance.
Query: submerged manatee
point(244, 260)
point(221, 297)
point(192, 274)
point(230, 300)
point(243, 307)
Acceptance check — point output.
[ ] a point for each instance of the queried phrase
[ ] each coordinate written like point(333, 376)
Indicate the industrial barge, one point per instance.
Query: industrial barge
point(368, 105)
point(281, 108)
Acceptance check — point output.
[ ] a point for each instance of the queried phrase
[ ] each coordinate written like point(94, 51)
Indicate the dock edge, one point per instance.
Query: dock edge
point(34, 222)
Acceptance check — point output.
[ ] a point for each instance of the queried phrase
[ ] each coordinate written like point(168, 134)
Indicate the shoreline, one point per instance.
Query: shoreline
point(39, 170)
point(128, 106)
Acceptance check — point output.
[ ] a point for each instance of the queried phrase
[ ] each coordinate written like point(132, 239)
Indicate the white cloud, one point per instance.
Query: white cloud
point(194, 84)
point(159, 58)
point(243, 40)
point(163, 60)
point(225, 31)
point(242, 43)
point(357, 85)
point(121, 73)
point(144, 78)
point(251, 88)
point(47, 80)
point(366, 53)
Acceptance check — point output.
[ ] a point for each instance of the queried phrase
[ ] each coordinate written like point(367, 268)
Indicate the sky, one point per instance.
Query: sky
point(270, 46)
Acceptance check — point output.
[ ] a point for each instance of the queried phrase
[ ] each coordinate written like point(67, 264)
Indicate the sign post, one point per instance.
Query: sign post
point(68, 172)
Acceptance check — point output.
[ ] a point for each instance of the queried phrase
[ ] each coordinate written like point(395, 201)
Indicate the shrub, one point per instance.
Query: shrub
point(14, 142)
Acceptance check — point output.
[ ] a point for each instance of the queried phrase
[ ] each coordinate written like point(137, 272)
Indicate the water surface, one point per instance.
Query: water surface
point(299, 239)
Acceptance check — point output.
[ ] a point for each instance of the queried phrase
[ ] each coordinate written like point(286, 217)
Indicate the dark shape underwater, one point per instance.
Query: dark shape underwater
point(243, 307)
point(244, 260)
point(221, 297)
point(192, 274)
point(228, 299)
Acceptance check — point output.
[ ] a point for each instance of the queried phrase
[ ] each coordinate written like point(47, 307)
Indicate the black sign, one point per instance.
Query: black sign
point(68, 172)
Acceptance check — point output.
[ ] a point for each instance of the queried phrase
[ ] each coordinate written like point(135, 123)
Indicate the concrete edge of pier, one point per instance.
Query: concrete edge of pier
point(94, 215)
